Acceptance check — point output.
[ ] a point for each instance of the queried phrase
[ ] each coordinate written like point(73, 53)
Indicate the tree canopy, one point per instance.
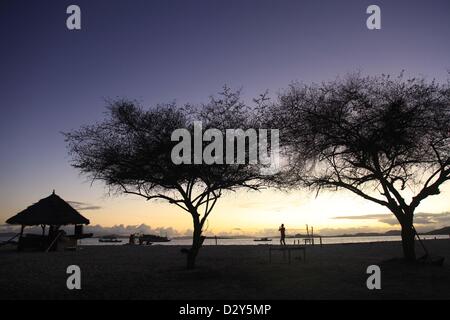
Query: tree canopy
point(131, 152)
point(385, 139)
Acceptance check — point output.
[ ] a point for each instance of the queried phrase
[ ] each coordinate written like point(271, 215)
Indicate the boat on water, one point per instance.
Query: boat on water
point(110, 239)
point(150, 238)
point(263, 239)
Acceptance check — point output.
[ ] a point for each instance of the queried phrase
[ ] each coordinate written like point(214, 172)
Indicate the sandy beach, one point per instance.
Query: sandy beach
point(223, 272)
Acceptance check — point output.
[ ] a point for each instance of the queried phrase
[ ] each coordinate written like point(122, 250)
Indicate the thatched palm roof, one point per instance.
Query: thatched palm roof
point(50, 211)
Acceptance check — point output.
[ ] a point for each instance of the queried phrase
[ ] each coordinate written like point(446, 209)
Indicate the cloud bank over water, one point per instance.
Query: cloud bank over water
point(431, 220)
point(423, 221)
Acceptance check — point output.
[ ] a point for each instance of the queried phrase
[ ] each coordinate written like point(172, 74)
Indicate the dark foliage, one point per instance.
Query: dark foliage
point(384, 139)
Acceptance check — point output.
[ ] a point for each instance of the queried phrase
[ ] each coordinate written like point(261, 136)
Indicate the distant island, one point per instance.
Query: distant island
point(445, 230)
point(369, 234)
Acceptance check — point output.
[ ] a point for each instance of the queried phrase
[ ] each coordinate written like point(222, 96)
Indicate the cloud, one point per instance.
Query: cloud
point(362, 217)
point(351, 230)
point(384, 218)
point(425, 219)
point(442, 219)
point(129, 229)
point(121, 229)
point(272, 207)
point(83, 206)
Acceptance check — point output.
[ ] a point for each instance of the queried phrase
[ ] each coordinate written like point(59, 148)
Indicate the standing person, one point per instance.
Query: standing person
point(282, 230)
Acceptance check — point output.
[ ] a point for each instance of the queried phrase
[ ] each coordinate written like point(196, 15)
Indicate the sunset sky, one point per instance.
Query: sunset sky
point(54, 80)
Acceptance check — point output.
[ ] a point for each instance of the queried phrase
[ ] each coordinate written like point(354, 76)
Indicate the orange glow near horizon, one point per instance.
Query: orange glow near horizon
point(249, 213)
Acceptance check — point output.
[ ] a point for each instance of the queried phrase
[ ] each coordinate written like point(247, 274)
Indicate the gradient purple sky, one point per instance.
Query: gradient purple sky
point(53, 79)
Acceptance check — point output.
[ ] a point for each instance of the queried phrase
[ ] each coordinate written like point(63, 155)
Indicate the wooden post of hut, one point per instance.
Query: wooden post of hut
point(21, 231)
point(19, 247)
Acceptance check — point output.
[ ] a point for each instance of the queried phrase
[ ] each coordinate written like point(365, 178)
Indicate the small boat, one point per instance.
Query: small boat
point(263, 239)
point(150, 238)
point(109, 239)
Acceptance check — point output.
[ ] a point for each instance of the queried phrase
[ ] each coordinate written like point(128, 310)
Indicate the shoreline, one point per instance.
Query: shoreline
point(275, 241)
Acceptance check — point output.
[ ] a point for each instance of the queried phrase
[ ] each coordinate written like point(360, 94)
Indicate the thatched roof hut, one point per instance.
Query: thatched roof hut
point(54, 212)
point(49, 211)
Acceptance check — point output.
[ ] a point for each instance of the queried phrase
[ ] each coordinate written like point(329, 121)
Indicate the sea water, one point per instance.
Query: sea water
point(250, 241)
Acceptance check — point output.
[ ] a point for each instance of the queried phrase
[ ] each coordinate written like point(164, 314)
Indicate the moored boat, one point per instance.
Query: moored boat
point(263, 239)
point(150, 238)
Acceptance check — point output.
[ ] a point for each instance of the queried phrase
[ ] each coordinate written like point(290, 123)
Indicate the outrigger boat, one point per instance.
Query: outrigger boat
point(263, 239)
point(150, 238)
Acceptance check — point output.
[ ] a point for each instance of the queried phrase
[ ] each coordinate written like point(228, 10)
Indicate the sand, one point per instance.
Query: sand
point(223, 272)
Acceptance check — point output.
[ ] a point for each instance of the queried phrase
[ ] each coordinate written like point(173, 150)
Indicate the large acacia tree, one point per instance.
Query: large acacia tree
point(130, 151)
point(384, 139)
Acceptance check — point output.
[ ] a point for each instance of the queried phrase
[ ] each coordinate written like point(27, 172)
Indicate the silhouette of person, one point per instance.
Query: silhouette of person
point(282, 230)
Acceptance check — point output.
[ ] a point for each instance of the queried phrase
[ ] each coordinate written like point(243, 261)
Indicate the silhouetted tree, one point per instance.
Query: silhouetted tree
point(131, 153)
point(386, 140)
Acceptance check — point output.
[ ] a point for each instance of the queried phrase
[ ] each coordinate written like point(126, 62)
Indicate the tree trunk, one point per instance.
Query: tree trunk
point(197, 241)
point(408, 243)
